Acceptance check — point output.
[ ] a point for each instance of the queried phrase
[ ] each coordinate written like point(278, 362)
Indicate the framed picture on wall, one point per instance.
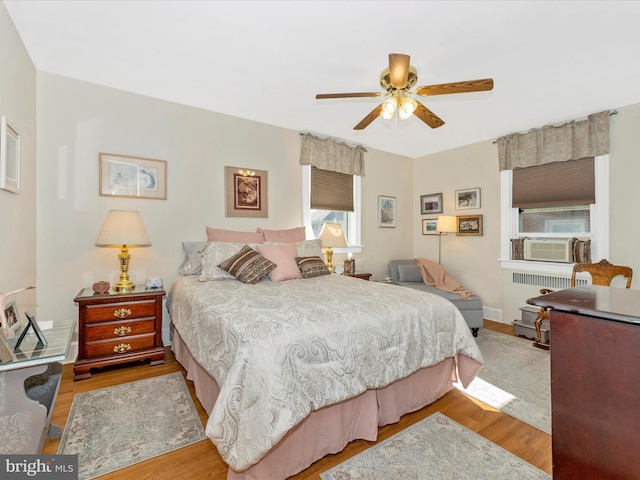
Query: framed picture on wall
point(386, 211)
point(431, 203)
point(467, 198)
point(9, 157)
point(133, 177)
point(429, 226)
point(470, 225)
point(246, 192)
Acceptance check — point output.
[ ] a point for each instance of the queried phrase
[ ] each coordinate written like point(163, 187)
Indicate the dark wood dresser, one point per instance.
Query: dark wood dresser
point(595, 386)
point(115, 328)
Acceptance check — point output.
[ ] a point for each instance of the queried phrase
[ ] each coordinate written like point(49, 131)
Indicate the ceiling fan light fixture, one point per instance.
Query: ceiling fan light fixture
point(389, 108)
point(407, 106)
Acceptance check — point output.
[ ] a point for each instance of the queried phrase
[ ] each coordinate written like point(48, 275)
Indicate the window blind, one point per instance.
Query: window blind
point(558, 183)
point(331, 190)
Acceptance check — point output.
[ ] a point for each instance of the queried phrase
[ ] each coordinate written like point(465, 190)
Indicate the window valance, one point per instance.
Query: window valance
point(329, 154)
point(571, 141)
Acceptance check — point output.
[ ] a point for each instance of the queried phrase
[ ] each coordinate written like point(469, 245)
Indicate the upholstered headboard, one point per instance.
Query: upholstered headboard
point(410, 272)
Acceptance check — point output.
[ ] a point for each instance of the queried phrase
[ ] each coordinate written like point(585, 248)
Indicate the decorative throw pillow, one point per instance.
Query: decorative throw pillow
point(215, 253)
point(247, 265)
point(191, 265)
point(221, 235)
point(409, 273)
point(306, 248)
point(312, 267)
point(284, 256)
point(284, 236)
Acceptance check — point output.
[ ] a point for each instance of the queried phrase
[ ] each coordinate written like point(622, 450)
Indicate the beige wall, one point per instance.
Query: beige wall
point(471, 260)
point(77, 120)
point(18, 211)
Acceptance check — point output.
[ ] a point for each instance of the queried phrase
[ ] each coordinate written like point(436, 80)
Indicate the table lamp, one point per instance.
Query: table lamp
point(331, 236)
point(445, 225)
point(123, 229)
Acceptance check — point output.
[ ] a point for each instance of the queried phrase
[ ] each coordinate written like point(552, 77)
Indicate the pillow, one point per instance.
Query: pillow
point(215, 253)
point(307, 248)
point(284, 256)
point(247, 265)
point(191, 265)
point(409, 273)
point(312, 267)
point(285, 236)
point(220, 235)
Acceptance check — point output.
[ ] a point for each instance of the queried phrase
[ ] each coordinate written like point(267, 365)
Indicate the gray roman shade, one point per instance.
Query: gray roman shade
point(558, 183)
point(571, 141)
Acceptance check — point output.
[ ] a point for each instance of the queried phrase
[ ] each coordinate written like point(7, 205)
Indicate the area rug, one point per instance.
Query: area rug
point(436, 448)
point(115, 427)
point(515, 379)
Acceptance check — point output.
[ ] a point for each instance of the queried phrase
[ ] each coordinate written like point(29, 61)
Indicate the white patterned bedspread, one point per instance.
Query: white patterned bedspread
point(280, 350)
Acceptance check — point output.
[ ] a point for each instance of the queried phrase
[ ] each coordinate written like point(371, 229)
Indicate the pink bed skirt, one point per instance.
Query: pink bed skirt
point(330, 429)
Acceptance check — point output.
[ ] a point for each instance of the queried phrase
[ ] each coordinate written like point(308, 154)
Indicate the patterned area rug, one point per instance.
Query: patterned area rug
point(115, 427)
point(436, 448)
point(515, 379)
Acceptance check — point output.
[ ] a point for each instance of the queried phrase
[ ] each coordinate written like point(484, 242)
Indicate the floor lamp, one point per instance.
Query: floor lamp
point(445, 225)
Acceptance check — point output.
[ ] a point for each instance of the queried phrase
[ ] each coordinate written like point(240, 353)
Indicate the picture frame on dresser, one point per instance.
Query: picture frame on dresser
point(13, 324)
point(6, 352)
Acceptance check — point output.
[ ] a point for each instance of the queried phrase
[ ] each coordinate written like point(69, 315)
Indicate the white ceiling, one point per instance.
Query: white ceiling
point(265, 61)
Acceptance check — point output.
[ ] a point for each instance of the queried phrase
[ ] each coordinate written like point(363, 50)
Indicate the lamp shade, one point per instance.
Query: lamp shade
point(332, 236)
point(447, 224)
point(123, 227)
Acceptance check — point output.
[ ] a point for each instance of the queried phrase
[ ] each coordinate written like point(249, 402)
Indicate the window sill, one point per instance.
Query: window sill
point(349, 249)
point(533, 266)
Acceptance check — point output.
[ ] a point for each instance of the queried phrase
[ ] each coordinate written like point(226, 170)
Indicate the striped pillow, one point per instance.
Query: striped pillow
point(312, 266)
point(247, 265)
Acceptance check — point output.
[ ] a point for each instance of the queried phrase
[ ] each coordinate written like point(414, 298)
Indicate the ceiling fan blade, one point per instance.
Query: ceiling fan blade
point(364, 123)
point(457, 87)
point(398, 69)
point(322, 96)
point(427, 116)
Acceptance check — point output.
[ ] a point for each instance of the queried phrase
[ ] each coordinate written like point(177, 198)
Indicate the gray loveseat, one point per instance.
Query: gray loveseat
point(407, 273)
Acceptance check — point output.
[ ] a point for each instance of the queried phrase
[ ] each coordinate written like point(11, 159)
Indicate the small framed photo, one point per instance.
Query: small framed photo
point(31, 323)
point(470, 225)
point(246, 192)
point(467, 198)
point(132, 177)
point(431, 203)
point(9, 157)
point(13, 324)
point(386, 211)
point(429, 226)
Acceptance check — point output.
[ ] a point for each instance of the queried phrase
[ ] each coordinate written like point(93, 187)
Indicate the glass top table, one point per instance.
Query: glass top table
point(32, 353)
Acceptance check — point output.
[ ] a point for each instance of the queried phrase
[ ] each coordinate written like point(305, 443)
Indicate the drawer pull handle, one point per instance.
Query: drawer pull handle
point(121, 331)
point(123, 347)
point(122, 312)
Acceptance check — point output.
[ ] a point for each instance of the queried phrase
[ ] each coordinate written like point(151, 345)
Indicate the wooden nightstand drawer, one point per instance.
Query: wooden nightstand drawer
point(121, 310)
point(119, 329)
point(118, 346)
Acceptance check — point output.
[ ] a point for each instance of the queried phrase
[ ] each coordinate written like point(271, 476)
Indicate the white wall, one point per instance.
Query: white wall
point(77, 120)
point(471, 260)
point(18, 211)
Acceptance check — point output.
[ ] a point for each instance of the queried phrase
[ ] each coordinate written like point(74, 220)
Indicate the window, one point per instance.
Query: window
point(333, 194)
point(550, 206)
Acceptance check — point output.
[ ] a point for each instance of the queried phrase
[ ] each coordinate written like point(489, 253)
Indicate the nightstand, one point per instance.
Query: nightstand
point(363, 276)
point(115, 328)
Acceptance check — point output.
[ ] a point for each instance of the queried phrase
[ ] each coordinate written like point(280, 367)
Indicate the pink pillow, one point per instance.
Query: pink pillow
point(284, 236)
point(220, 235)
point(284, 256)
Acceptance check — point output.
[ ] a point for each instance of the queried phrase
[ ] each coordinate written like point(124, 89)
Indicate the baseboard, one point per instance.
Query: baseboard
point(494, 314)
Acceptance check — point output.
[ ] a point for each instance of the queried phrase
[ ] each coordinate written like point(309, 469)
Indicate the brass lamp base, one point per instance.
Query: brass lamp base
point(329, 253)
point(124, 285)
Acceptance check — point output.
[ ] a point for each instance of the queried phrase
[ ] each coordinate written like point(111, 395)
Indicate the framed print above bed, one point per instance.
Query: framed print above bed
point(246, 192)
point(431, 203)
point(386, 211)
point(133, 177)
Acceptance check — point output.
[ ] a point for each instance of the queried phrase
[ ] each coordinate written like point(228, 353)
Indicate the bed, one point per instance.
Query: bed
point(291, 371)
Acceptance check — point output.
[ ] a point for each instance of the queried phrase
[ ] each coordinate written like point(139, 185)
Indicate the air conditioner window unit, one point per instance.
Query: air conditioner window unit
point(549, 249)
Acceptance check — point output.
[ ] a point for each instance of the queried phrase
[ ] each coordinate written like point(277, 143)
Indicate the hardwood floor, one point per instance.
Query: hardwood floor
point(201, 460)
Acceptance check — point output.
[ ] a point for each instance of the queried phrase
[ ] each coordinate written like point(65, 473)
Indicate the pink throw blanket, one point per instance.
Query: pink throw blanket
point(435, 276)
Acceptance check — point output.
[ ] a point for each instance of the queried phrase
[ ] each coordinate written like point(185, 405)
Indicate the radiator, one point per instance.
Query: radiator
point(557, 282)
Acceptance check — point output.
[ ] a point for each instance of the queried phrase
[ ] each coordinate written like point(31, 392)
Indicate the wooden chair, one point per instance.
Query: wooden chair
point(602, 273)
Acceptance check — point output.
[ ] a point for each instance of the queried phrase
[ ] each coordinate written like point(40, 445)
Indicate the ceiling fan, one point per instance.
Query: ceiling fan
point(397, 80)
